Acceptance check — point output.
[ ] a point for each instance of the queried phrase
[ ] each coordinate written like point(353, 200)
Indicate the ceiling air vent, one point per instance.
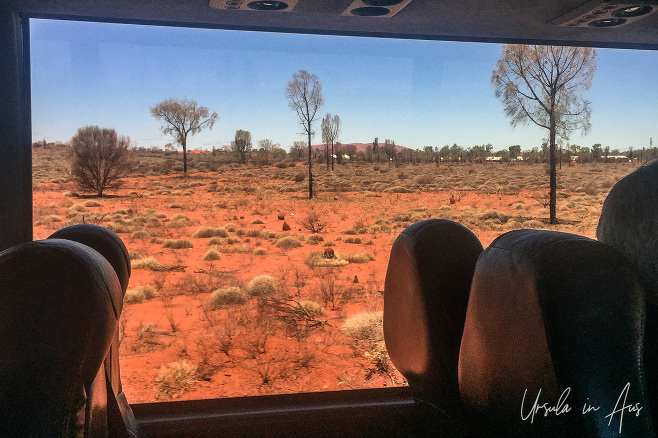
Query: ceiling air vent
point(249, 5)
point(375, 8)
point(597, 13)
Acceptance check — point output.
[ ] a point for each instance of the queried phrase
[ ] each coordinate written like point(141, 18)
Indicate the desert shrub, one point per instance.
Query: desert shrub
point(175, 379)
point(533, 224)
point(260, 251)
point(92, 204)
point(356, 240)
point(243, 249)
point(231, 228)
point(313, 222)
point(299, 177)
point(316, 259)
point(425, 179)
point(311, 308)
point(262, 286)
point(361, 257)
point(177, 224)
point(314, 239)
point(288, 242)
point(149, 263)
point(257, 222)
point(228, 296)
point(139, 294)
point(367, 326)
point(493, 215)
point(254, 233)
point(205, 232)
point(216, 241)
point(99, 158)
point(178, 244)
point(79, 207)
point(141, 234)
point(513, 225)
point(47, 219)
point(212, 254)
point(134, 296)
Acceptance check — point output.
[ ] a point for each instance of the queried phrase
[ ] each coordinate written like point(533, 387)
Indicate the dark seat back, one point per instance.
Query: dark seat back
point(561, 314)
point(425, 296)
point(629, 222)
point(57, 322)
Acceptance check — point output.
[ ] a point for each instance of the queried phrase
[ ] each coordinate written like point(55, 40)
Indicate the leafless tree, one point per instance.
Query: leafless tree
point(183, 117)
point(543, 85)
point(305, 95)
point(265, 146)
point(330, 131)
point(297, 149)
point(242, 144)
point(99, 158)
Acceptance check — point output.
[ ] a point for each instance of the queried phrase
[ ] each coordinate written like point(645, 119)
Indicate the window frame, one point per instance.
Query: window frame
point(334, 413)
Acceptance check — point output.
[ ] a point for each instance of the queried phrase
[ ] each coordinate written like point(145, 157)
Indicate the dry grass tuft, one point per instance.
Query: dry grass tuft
point(205, 232)
point(262, 286)
point(288, 242)
point(175, 379)
point(212, 254)
point(367, 326)
point(360, 257)
point(178, 244)
point(228, 296)
point(316, 259)
point(149, 263)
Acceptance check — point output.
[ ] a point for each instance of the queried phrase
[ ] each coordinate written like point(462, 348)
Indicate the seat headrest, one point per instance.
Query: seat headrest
point(550, 311)
point(425, 296)
point(105, 242)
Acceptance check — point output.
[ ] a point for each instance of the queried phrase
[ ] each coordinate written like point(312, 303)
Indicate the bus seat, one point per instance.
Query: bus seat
point(554, 319)
point(120, 417)
point(425, 297)
point(629, 222)
point(57, 322)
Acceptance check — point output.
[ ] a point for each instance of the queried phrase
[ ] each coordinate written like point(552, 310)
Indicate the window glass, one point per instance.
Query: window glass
point(241, 284)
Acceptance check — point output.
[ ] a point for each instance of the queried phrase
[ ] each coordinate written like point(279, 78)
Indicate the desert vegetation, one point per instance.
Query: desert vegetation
point(242, 285)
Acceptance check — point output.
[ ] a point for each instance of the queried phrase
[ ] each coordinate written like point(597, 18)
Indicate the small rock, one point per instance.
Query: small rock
point(328, 253)
point(285, 227)
point(356, 279)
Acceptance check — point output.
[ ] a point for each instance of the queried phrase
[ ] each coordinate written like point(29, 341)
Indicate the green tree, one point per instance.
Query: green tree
point(304, 93)
point(183, 117)
point(543, 85)
point(514, 151)
point(99, 158)
point(242, 144)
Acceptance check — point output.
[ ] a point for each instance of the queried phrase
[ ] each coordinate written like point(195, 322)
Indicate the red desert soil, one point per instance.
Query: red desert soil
point(267, 346)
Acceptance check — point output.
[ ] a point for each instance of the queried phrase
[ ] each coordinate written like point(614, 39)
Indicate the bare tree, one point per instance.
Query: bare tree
point(542, 85)
point(297, 149)
point(183, 117)
point(265, 146)
point(99, 158)
point(242, 144)
point(330, 131)
point(305, 95)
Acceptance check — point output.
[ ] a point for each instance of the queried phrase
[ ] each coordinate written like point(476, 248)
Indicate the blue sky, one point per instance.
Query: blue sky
point(417, 93)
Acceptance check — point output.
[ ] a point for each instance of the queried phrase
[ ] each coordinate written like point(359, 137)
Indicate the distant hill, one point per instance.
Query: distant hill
point(360, 147)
